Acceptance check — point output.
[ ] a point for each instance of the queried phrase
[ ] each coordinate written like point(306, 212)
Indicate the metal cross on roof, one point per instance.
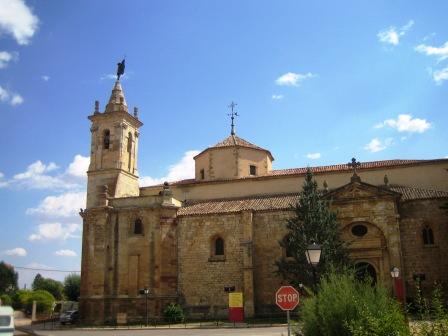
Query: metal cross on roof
point(354, 165)
point(232, 116)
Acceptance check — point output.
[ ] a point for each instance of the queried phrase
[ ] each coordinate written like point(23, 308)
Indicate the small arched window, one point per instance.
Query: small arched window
point(106, 140)
point(287, 246)
point(138, 226)
point(428, 236)
point(219, 246)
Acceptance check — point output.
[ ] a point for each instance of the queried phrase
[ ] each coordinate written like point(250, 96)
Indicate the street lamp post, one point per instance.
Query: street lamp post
point(395, 273)
point(146, 292)
point(313, 253)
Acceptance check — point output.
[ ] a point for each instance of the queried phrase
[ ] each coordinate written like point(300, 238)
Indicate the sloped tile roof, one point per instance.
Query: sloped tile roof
point(233, 140)
point(344, 167)
point(324, 169)
point(410, 193)
point(256, 203)
point(283, 202)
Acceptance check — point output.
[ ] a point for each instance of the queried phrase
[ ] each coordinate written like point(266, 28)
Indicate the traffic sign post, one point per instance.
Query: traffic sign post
point(287, 298)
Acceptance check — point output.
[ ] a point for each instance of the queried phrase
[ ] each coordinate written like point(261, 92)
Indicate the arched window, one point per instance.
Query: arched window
point(106, 140)
point(219, 246)
point(287, 246)
point(138, 226)
point(428, 236)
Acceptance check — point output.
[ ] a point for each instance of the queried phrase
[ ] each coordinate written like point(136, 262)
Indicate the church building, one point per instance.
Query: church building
point(185, 241)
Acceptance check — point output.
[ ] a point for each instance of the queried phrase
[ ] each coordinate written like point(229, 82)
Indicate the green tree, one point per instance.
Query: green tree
point(312, 222)
point(54, 287)
point(72, 284)
point(44, 301)
point(8, 278)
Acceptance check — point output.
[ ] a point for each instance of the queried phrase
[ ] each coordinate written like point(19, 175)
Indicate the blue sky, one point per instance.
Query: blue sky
point(316, 83)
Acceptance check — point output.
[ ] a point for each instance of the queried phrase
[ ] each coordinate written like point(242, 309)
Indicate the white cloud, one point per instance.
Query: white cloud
point(440, 76)
point(313, 156)
point(16, 100)
point(405, 123)
point(79, 166)
point(183, 169)
point(64, 205)
point(292, 79)
point(277, 97)
point(66, 253)
point(9, 97)
point(440, 52)
point(55, 231)
point(16, 252)
point(6, 57)
point(114, 77)
point(392, 35)
point(36, 177)
point(18, 20)
point(376, 145)
point(45, 78)
point(2, 182)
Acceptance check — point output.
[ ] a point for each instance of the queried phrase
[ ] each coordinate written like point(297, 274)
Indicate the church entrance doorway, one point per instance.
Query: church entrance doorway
point(364, 270)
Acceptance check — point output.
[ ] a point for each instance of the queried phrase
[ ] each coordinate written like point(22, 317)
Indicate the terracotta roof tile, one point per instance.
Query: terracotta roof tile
point(233, 140)
point(345, 167)
point(324, 169)
point(256, 203)
point(283, 202)
point(411, 193)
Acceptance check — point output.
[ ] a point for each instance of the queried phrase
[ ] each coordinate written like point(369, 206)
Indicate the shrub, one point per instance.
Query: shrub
point(6, 300)
point(173, 313)
point(345, 306)
point(44, 301)
point(436, 314)
point(19, 299)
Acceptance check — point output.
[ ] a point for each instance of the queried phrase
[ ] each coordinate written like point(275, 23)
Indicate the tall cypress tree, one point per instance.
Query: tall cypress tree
point(313, 222)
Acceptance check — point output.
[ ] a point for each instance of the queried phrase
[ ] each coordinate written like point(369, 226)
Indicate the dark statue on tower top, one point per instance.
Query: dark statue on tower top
point(120, 69)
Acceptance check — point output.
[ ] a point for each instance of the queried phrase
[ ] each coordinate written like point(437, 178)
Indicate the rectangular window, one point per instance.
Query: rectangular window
point(252, 170)
point(202, 174)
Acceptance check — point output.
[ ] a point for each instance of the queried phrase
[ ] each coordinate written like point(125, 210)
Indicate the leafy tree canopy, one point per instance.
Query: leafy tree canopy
point(72, 284)
point(312, 222)
point(52, 286)
point(8, 278)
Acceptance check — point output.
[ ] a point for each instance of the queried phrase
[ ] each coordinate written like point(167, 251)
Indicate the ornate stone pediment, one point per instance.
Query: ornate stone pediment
point(360, 190)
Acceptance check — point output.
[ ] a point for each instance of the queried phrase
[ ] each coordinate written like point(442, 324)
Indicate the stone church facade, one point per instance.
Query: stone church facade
point(187, 240)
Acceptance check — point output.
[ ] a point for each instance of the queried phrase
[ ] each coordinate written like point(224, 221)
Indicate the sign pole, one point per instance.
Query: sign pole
point(287, 298)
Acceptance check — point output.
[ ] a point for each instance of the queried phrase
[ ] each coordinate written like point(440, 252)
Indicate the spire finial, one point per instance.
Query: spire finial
point(354, 165)
point(232, 116)
point(97, 107)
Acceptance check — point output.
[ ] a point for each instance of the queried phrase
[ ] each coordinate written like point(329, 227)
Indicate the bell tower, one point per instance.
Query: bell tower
point(113, 155)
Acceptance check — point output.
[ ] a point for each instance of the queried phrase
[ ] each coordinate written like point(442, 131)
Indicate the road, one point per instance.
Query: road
point(270, 331)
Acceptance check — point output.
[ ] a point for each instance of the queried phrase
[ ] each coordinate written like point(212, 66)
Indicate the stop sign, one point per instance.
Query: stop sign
point(287, 298)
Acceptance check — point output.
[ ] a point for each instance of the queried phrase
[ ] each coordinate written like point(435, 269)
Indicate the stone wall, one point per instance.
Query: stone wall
point(269, 229)
point(202, 277)
point(117, 263)
point(419, 258)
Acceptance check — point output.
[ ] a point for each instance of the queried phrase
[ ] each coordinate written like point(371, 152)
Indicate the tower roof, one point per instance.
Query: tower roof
point(235, 141)
point(117, 101)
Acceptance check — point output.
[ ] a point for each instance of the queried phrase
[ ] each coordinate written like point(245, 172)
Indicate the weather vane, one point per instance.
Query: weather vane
point(232, 116)
point(120, 69)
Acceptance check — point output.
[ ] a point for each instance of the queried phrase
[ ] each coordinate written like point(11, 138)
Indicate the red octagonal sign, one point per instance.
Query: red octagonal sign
point(287, 298)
